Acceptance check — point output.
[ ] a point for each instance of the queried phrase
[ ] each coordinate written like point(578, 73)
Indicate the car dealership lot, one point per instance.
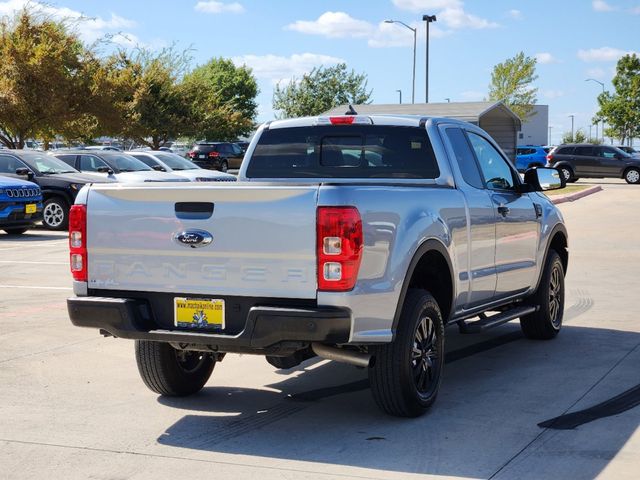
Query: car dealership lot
point(73, 406)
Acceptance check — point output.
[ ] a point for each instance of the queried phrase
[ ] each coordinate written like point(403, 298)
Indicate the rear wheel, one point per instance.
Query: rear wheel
point(15, 231)
point(224, 166)
point(632, 176)
point(55, 214)
point(546, 322)
point(172, 372)
point(406, 374)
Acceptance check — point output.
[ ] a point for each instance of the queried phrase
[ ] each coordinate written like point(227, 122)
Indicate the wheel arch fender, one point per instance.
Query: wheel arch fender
point(419, 275)
point(50, 193)
point(557, 240)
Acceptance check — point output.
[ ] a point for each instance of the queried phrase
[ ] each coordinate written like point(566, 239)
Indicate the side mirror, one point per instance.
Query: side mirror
point(25, 172)
point(104, 169)
point(159, 168)
point(541, 179)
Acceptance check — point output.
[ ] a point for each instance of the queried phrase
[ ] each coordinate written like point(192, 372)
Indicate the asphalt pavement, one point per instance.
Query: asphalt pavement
point(72, 405)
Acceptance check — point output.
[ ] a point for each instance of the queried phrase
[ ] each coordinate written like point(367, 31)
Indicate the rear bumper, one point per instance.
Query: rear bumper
point(267, 329)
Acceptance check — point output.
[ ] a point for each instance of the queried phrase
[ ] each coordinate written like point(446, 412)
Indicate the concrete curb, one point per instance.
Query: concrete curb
point(575, 196)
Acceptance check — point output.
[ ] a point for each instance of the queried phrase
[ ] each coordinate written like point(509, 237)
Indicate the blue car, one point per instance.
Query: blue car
point(528, 156)
point(20, 205)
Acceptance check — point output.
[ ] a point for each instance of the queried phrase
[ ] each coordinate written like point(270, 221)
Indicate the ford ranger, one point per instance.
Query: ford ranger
point(352, 238)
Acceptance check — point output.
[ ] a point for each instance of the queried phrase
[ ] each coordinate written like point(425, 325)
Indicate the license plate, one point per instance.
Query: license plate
point(203, 314)
point(202, 156)
point(30, 208)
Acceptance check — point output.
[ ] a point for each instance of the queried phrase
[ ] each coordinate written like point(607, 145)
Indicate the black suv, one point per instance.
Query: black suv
point(58, 181)
point(216, 155)
point(594, 161)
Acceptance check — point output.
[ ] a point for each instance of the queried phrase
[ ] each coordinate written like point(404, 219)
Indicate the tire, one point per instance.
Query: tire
point(632, 176)
point(224, 166)
point(406, 374)
point(171, 372)
point(55, 214)
point(545, 323)
point(15, 231)
point(567, 173)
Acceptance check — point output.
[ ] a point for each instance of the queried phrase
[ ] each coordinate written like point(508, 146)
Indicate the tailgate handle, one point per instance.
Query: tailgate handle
point(194, 210)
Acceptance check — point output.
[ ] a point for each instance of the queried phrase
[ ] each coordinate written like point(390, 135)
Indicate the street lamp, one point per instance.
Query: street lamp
point(400, 93)
point(427, 19)
point(572, 137)
point(602, 85)
point(414, 30)
point(549, 136)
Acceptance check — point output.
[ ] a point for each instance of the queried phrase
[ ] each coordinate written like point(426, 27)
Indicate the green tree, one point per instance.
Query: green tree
point(578, 137)
point(222, 100)
point(44, 79)
point(511, 83)
point(621, 109)
point(320, 90)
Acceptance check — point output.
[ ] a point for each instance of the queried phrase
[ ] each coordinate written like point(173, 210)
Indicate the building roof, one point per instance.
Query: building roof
point(467, 111)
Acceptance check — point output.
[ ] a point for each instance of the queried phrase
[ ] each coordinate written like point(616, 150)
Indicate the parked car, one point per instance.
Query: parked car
point(594, 161)
point(103, 147)
point(243, 146)
point(352, 238)
point(630, 150)
point(170, 162)
point(118, 166)
point(181, 149)
point(59, 183)
point(20, 205)
point(216, 155)
point(528, 156)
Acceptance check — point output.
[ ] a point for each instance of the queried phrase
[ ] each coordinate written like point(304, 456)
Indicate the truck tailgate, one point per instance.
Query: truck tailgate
point(263, 239)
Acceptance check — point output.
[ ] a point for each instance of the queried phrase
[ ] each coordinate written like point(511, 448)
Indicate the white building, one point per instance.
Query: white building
point(535, 130)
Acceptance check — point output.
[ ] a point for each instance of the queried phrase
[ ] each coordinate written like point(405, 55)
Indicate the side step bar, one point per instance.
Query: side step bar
point(485, 323)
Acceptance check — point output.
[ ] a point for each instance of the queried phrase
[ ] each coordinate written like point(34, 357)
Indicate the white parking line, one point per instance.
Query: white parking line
point(21, 262)
point(33, 287)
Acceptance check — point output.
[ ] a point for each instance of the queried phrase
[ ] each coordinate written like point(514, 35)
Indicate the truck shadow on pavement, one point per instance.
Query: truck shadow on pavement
point(499, 395)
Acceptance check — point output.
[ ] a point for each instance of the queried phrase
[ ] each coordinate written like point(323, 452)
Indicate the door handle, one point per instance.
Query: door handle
point(504, 211)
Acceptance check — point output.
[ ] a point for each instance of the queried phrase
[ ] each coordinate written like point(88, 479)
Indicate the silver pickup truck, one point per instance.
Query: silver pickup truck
point(353, 238)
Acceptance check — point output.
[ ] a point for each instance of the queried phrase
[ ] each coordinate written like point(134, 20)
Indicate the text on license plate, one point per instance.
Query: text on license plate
point(30, 208)
point(206, 314)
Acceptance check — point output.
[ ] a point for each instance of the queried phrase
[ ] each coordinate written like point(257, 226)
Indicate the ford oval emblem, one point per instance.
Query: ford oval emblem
point(194, 238)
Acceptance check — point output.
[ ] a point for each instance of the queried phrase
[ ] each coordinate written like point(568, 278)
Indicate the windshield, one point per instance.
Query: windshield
point(175, 162)
point(47, 165)
point(125, 163)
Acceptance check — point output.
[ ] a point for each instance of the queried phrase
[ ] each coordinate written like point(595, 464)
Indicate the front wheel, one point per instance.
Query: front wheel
point(406, 374)
point(171, 372)
point(55, 214)
point(567, 174)
point(546, 322)
point(632, 176)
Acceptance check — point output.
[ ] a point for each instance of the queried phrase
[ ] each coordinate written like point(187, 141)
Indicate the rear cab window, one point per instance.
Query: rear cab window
point(349, 151)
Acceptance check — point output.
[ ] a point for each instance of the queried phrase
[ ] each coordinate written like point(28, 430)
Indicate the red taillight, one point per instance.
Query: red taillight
point(549, 158)
point(191, 154)
point(78, 242)
point(339, 247)
point(214, 154)
point(347, 120)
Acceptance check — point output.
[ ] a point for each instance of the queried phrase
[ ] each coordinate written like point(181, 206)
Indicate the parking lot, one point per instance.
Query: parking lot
point(73, 406)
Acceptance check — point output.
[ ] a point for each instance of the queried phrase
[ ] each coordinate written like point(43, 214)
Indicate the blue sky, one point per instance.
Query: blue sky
point(572, 39)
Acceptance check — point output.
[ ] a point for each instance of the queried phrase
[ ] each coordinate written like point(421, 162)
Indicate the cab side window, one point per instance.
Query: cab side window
point(9, 164)
point(464, 156)
point(89, 163)
point(606, 152)
point(497, 173)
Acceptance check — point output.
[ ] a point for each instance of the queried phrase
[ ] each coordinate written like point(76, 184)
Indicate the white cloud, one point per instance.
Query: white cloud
point(603, 54)
point(219, 7)
point(277, 68)
point(424, 6)
point(457, 18)
point(333, 25)
point(545, 58)
point(602, 6)
point(89, 29)
point(515, 14)
point(635, 10)
point(552, 94)
point(393, 35)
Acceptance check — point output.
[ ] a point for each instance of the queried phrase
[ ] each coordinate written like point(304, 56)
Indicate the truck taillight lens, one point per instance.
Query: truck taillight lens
point(78, 242)
point(339, 247)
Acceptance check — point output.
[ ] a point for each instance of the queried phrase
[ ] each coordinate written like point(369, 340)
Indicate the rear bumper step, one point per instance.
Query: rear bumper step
point(485, 323)
point(265, 326)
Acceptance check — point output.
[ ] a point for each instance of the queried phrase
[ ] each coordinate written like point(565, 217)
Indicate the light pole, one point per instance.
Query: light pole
point(572, 137)
point(427, 19)
point(414, 30)
point(602, 85)
point(549, 136)
point(400, 93)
